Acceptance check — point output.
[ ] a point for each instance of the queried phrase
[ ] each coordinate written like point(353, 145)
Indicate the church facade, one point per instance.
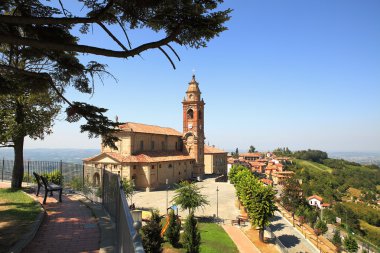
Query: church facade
point(152, 156)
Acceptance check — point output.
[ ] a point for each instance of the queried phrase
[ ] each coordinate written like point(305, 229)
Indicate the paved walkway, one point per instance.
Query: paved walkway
point(240, 239)
point(290, 237)
point(225, 199)
point(67, 227)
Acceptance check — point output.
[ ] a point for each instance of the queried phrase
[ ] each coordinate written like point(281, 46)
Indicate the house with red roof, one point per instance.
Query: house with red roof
point(317, 201)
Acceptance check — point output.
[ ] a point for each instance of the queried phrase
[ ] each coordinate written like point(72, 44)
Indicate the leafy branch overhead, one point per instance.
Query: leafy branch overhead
point(43, 35)
point(188, 23)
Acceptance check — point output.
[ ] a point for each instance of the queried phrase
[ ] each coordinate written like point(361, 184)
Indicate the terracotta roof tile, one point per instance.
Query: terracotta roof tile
point(315, 197)
point(147, 157)
point(144, 128)
point(266, 181)
point(213, 150)
point(251, 154)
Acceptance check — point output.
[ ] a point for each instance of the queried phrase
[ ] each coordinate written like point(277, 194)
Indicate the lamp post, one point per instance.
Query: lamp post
point(167, 195)
point(133, 190)
point(217, 202)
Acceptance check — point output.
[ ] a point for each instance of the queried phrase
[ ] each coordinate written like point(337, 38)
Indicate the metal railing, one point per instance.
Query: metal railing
point(69, 171)
point(115, 202)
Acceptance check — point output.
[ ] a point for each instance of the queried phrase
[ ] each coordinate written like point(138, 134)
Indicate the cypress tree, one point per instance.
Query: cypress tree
point(152, 239)
point(191, 236)
point(173, 231)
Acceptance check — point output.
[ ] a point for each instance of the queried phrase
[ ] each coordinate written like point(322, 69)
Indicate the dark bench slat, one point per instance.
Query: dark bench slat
point(49, 187)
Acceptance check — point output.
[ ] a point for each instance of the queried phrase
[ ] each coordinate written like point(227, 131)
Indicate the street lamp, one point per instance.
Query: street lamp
point(167, 195)
point(217, 202)
point(133, 190)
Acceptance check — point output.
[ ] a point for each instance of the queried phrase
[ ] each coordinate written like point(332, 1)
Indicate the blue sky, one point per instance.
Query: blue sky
point(302, 74)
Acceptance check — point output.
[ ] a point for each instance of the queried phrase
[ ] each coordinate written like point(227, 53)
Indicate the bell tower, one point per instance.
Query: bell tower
point(193, 126)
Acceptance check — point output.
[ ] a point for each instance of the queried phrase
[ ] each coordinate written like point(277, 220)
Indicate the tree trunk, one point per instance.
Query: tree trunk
point(18, 142)
point(261, 234)
point(18, 166)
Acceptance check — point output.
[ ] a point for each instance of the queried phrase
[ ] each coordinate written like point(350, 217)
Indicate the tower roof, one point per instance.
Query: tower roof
point(193, 86)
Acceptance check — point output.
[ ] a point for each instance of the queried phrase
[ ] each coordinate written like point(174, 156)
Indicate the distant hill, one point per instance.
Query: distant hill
point(46, 154)
point(358, 157)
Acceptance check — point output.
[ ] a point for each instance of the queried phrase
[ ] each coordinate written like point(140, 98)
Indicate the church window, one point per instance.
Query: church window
point(159, 166)
point(152, 167)
point(176, 145)
point(141, 145)
point(163, 145)
point(190, 114)
point(134, 167)
point(200, 115)
point(170, 165)
point(152, 145)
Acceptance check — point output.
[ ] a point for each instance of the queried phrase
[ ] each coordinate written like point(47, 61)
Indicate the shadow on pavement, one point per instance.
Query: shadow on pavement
point(277, 227)
point(289, 240)
point(276, 218)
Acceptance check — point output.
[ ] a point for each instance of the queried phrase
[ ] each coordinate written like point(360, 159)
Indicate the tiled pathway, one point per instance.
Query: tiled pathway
point(240, 239)
point(67, 227)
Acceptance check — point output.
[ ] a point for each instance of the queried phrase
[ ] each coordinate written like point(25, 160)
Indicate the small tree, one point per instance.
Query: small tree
point(236, 153)
point(191, 235)
point(152, 239)
point(337, 240)
point(189, 196)
point(128, 188)
point(321, 226)
point(252, 149)
point(350, 244)
point(291, 196)
point(262, 208)
point(173, 231)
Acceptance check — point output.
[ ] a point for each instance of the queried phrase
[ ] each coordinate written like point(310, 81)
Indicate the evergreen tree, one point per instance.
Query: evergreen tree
point(337, 240)
point(152, 239)
point(235, 154)
point(291, 196)
point(173, 231)
point(191, 235)
point(321, 226)
point(252, 149)
point(350, 244)
point(40, 29)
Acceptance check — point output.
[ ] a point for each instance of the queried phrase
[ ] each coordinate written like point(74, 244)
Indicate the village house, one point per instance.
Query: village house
point(279, 178)
point(250, 156)
point(215, 160)
point(317, 201)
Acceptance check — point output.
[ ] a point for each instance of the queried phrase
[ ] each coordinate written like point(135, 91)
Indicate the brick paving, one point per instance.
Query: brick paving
point(67, 227)
point(242, 242)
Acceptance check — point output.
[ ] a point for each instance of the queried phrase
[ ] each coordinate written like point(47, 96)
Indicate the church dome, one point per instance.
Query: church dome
point(193, 86)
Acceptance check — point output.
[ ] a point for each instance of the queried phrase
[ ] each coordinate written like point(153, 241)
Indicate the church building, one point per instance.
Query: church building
point(153, 155)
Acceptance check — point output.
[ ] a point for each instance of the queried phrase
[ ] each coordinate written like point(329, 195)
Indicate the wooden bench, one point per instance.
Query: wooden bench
point(49, 187)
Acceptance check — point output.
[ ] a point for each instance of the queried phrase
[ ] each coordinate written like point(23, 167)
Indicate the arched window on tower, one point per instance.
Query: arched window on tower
point(190, 114)
point(200, 114)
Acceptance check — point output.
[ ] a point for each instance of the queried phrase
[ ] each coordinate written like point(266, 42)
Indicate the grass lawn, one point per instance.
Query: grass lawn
point(214, 240)
point(372, 232)
point(309, 164)
point(17, 212)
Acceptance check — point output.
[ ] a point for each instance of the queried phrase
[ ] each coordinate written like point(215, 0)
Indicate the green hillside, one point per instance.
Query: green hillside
point(313, 165)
